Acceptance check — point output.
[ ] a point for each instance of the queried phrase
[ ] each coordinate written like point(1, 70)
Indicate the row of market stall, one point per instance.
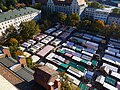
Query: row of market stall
point(63, 49)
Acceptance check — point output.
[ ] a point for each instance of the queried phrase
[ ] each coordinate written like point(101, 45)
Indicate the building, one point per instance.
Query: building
point(66, 6)
point(47, 77)
point(113, 18)
point(89, 12)
point(4, 51)
point(11, 78)
point(97, 14)
point(102, 14)
point(15, 17)
point(116, 2)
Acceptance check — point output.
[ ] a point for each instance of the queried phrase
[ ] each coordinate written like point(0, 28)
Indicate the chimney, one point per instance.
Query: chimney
point(22, 60)
point(6, 51)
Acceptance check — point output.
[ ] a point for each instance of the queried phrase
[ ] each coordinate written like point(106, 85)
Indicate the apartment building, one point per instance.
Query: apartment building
point(97, 14)
point(113, 18)
point(66, 6)
point(47, 77)
point(15, 17)
point(102, 14)
point(89, 12)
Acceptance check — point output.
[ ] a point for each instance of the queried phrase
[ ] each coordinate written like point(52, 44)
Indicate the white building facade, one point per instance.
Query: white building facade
point(97, 14)
point(102, 14)
point(15, 17)
point(113, 19)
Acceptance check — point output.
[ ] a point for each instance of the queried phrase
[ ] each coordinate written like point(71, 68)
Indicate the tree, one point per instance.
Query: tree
point(95, 5)
point(116, 11)
point(86, 24)
point(62, 17)
point(42, 27)
point(11, 7)
point(17, 53)
point(86, 1)
point(66, 84)
point(4, 8)
point(10, 32)
point(38, 6)
point(73, 19)
point(47, 23)
point(98, 25)
point(29, 62)
point(13, 42)
point(28, 29)
point(106, 31)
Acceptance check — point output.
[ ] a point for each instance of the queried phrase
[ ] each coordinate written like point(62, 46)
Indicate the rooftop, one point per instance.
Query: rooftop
point(12, 14)
point(25, 73)
point(8, 61)
point(9, 75)
point(48, 70)
point(106, 10)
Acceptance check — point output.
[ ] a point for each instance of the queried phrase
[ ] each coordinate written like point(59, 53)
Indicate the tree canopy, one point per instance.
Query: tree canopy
point(116, 11)
point(95, 5)
point(73, 19)
point(62, 17)
point(28, 29)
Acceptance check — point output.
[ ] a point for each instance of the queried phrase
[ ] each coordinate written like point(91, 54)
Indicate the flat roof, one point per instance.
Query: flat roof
point(9, 75)
point(106, 10)
point(45, 50)
point(12, 14)
point(48, 70)
point(25, 73)
point(8, 61)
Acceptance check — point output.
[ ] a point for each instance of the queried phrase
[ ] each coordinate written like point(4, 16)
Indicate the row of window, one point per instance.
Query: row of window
point(18, 18)
point(15, 23)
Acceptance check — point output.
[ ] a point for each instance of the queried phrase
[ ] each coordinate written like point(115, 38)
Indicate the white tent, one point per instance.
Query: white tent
point(35, 58)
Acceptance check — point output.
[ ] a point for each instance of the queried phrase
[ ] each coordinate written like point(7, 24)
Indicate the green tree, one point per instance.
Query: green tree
point(47, 23)
point(86, 1)
point(11, 7)
point(116, 11)
point(28, 29)
point(42, 27)
point(13, 42)
point(95, 5)
point(106, 31)
point(38, 6)
point(10, 32)
point(98, 25)
point(62, 17)
point(85, 24)
point(29, 62)
point(66, 83)
point(17, 53)
point(73, 19)
point(4, 8)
